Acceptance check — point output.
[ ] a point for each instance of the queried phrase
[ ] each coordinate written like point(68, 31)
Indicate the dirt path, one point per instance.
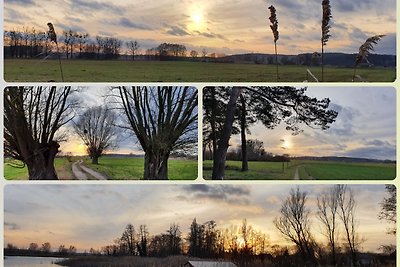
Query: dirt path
point(296, 174)
point(81, 172)
point(78, 173)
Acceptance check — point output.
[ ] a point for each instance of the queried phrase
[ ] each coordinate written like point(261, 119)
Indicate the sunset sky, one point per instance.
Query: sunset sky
point(365, 126)
point(218, 26)
point(94, 215)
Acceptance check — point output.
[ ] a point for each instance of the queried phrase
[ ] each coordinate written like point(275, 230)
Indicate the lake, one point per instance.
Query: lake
point(15, 261)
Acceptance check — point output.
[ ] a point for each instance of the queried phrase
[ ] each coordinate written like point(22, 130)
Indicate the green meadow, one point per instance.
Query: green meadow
point(307, 170)
point(114, 168)
point(62, 165)
point(323, 170)
point(34, 70)
point(132, 168)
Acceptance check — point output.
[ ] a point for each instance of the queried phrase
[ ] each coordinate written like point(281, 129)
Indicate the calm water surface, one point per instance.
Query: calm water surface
point(30, 262)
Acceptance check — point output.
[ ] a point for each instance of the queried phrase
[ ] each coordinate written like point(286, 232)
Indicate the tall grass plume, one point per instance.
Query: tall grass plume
point(366, 49)
point(274, 28)
point(51, 34)
point(325, 28)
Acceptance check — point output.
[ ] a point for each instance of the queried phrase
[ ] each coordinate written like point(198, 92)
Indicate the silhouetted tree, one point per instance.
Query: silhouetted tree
point(347, 208)
point(133, 47)
point(33, 116)
point(143, 241)
point(128, 239)
point(96, 127)
point(328, 205)
point(388, 208)
point(294, 224)
point(33, 246)
point(46, 247)
point(174, 239)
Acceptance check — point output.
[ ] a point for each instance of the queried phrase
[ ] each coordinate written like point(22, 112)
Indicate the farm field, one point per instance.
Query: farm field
point(307, 170)
point(132, 168)
point(355, 171)
point(257, 171)
point(113, 168)
point(34, 70)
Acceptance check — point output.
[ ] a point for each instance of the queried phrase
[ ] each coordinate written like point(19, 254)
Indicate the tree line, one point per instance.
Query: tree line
point(335, 209)
point(255, 151)
point(40, 250)
point(32, 43)
point(162, 119)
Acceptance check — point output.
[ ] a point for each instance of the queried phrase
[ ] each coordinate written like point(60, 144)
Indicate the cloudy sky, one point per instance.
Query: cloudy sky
point(94, 215)
point(218, 26)
point(365, 126)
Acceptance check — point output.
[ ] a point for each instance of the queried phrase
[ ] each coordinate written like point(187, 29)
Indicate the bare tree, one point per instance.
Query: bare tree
point(142, 244)
point(133, 47)
point(347, 206)
point(388, 208)
point(328, 204)
point(294, 224)
point(194, 54)
point(128, 239)
point(33, 117)
point(97, 130)
point(82, 39)
point(163, 119)
point(174, 239)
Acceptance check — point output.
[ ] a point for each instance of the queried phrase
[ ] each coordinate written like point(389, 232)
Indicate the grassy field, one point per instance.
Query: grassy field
point(33, 70)
point(319, 170)
point(114, 168)
point(62, 165)
point(132, 168)
point(257, 171)
point(354, 171)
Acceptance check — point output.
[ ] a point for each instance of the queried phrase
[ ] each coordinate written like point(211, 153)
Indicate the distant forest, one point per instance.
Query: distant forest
point(31, 43)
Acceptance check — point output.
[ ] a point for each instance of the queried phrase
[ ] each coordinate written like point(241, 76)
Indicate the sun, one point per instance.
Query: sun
point(286, 143)
point(197, 17)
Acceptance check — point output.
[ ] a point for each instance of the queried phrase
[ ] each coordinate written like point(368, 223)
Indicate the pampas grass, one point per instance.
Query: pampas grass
point(325, 28)
point(53, 38)
point(366, 49)
point(274, 28)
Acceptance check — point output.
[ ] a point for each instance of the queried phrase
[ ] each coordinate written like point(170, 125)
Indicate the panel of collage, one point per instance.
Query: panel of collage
point(141, 133)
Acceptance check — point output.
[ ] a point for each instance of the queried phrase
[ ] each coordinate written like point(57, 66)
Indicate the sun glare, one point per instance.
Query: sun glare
point(197, 20)
point(285, 143)
point(197, 17)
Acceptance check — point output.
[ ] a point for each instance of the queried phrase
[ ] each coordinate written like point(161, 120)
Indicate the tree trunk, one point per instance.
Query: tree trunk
point(41, 164)
point(223, 144)
point(245, 164)
point(213, 122)
point(95, 160)
point(156, 165)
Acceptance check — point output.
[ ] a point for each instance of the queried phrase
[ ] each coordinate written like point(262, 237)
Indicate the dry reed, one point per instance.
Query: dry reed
point(366, 49)
point(53, 38)
point(325, 28)
point(274, 28)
